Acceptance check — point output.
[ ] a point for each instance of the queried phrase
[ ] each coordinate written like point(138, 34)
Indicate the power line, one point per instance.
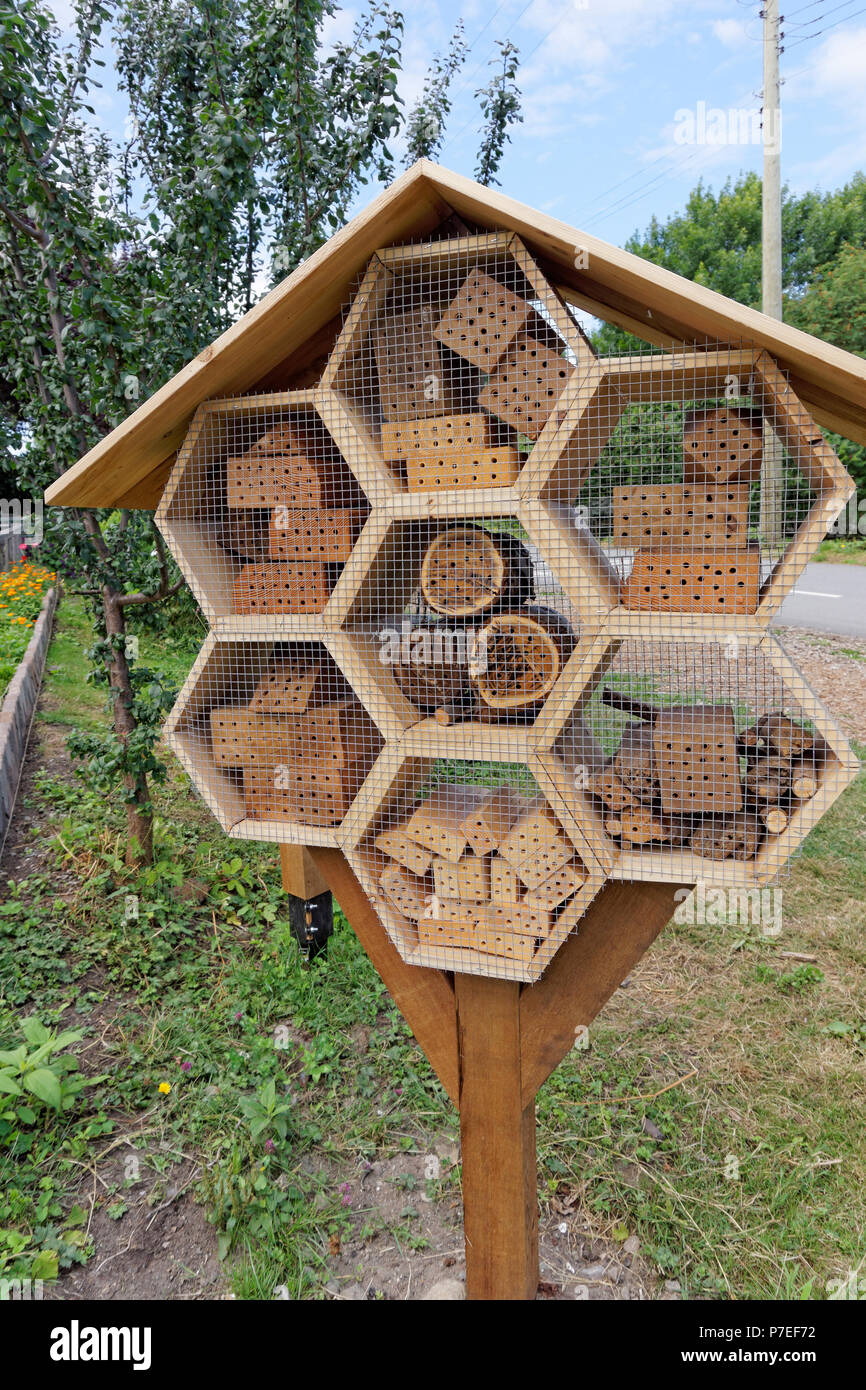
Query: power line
point(834, 25)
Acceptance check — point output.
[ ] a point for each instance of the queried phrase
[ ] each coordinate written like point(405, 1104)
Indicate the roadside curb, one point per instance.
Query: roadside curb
point(18, 706)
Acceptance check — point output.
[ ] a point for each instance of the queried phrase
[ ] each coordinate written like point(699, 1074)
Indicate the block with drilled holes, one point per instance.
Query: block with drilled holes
point(307, 534)
point(282, 588)
point(336, 734)
point(680, 515)
point(438, 823)
point(442, 436)
point(505, 886)
point(413, 380)
point(555, 890)
point(498, 467)
point(695, 754)
point(487, 824)
point(536, 846)
point(397, 845)
point(482, 319)
point(302, 792)
point(292, 683)
point(408, 892)
point(468, 880)
point(526, 385)
point(287, 470)
point(724, 445)
point(690, 581)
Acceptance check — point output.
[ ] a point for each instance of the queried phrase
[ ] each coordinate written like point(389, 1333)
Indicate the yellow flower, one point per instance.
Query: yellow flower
point(164, 1088)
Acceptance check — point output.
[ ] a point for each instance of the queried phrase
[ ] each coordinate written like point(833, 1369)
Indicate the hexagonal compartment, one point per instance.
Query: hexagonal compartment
point(274, 739)
point(451, 367)
point(469, 864)
point(689, 761)
point(702, 477)
point(261, 511)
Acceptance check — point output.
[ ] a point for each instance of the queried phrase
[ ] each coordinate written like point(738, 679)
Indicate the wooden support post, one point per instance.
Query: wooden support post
point(311, 908)
point(497, 1140)
point(492, 1043)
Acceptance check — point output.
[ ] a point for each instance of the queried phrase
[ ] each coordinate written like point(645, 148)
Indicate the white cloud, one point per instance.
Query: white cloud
point(731, 32)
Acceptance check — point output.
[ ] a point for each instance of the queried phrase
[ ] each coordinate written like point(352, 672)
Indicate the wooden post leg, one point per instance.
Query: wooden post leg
point(500, 1196)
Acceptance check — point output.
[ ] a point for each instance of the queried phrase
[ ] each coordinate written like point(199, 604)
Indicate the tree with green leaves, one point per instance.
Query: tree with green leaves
point(249, 139)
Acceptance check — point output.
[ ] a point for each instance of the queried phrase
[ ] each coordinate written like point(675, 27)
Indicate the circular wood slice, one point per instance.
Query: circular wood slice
point(525, 653)
point(468, 570)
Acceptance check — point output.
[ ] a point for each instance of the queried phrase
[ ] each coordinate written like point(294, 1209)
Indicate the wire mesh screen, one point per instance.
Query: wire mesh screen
point(488, 608)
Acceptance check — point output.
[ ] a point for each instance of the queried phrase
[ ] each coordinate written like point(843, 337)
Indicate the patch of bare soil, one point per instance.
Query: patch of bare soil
point(835, 668)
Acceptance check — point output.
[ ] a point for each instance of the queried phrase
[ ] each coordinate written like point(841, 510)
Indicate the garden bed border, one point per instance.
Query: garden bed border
point(18, 706)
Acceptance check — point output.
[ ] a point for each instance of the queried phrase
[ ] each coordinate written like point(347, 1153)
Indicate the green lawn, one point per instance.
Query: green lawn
point(721, 1057)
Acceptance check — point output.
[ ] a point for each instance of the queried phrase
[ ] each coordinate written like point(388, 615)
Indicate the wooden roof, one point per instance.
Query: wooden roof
point(289, 331)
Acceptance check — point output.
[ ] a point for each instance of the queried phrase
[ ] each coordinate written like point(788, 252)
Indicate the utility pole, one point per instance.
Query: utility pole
point(773, 468)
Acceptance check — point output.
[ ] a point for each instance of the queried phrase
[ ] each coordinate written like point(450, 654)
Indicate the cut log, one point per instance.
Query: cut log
point(430, 685)
point(640, 825)
point(634, 763)
point(768, 779)
point(727, 837)
point(785, 735)
point(805, 779)
point(751, 742)
point(520, 657)
point(468, 570)
point(774, 818)
point(612, 790)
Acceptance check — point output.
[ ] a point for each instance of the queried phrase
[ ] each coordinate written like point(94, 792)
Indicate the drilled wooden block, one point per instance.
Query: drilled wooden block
point(482, 319)
point(303, 793)
point(511, 931)
point(468, 880)
point(695, 748)
point(505, 886)
point(448, 926)
point(476, 468)
point(690, 581)
point(413, 381)
point(487, 824)
point(302, 467)
point(281, 588)
point(303, 535)
point(335, 735)
point(536, 846)
point(291, 684)
point(680, 515)
point(723, 445)
point(408, 892)
point(443, 436)
point(527, 384)
point(396, 845)
point(555, 890)
point(437, 823)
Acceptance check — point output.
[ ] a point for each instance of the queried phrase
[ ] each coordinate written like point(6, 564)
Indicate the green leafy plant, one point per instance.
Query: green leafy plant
point(40, 1068)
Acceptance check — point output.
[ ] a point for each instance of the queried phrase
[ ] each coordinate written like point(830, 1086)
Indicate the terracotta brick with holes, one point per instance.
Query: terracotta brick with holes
point(692, 582)
point(724, 445)
point(525, 387)
point(482, 320)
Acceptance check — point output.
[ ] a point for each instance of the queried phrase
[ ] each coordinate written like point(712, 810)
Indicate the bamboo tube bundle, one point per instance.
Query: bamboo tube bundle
point(521, 655)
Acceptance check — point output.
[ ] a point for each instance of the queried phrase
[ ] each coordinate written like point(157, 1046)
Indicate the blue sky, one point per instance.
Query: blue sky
point(605, 83)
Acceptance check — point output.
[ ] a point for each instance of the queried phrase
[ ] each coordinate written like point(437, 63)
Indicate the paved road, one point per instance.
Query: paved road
point(828, 598)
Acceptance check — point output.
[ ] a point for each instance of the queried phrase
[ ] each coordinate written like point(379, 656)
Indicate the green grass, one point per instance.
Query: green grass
point(721, 1056)
point(843, 550)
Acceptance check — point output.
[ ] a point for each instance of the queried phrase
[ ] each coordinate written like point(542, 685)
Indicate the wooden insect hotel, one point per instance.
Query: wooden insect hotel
point(490, 616)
